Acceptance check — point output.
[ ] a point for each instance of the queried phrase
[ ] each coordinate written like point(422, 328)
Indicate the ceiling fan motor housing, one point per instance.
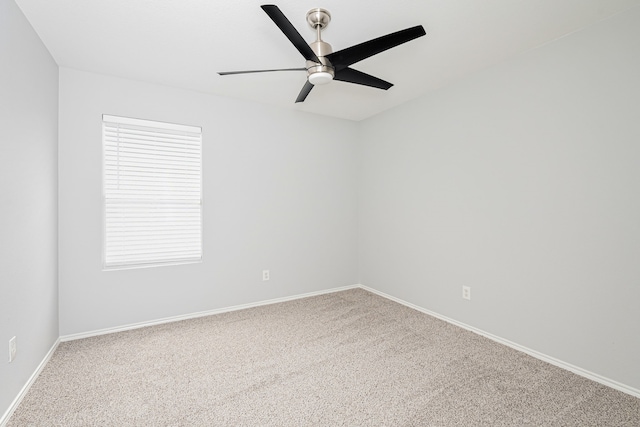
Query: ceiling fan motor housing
point(323, 72)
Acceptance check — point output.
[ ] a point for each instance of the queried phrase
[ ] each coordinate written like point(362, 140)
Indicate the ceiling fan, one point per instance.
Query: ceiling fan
point(324, 65)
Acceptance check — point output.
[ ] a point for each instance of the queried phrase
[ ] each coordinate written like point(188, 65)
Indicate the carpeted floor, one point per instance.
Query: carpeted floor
point(349, 358)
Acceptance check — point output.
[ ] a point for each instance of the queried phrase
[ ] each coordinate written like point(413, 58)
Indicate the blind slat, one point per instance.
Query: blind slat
point(115, 133)
point(133, 167)
point(159, 145)
point(146, 256)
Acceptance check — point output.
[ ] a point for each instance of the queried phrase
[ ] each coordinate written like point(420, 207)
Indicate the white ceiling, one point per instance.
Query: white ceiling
point(184, 43)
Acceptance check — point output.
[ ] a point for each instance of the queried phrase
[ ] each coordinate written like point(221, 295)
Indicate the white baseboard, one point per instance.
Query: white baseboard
point(131, 326)
point(14, 405)
point(545, 358)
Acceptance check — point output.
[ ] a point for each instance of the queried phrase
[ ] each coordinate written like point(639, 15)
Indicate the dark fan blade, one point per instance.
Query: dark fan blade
point(304, 92)
point(226, 73)
point(289, 30)
point(358, 77)
point(345, 57)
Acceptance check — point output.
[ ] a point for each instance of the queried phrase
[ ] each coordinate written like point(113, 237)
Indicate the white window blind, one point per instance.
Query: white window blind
point(152, 192)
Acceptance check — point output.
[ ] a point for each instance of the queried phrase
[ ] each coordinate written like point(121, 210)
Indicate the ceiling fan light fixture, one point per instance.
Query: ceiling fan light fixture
point(320, 78)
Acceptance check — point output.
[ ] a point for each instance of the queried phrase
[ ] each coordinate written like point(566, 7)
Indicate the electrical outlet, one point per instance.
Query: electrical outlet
point(12, 349)
point(466, 292)
point(265, 275)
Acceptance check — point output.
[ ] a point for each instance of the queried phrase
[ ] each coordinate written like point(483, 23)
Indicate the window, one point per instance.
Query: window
point(152, 193)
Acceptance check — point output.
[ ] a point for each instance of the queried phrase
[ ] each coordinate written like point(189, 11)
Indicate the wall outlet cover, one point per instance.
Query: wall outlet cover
point(13, 349)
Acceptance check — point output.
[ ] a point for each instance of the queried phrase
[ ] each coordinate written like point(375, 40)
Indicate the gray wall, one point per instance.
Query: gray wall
point(522, 182)
point(279, 193)
point(28, 200)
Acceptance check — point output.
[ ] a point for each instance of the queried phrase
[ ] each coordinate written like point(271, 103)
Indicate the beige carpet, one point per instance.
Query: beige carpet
point(349, 358)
